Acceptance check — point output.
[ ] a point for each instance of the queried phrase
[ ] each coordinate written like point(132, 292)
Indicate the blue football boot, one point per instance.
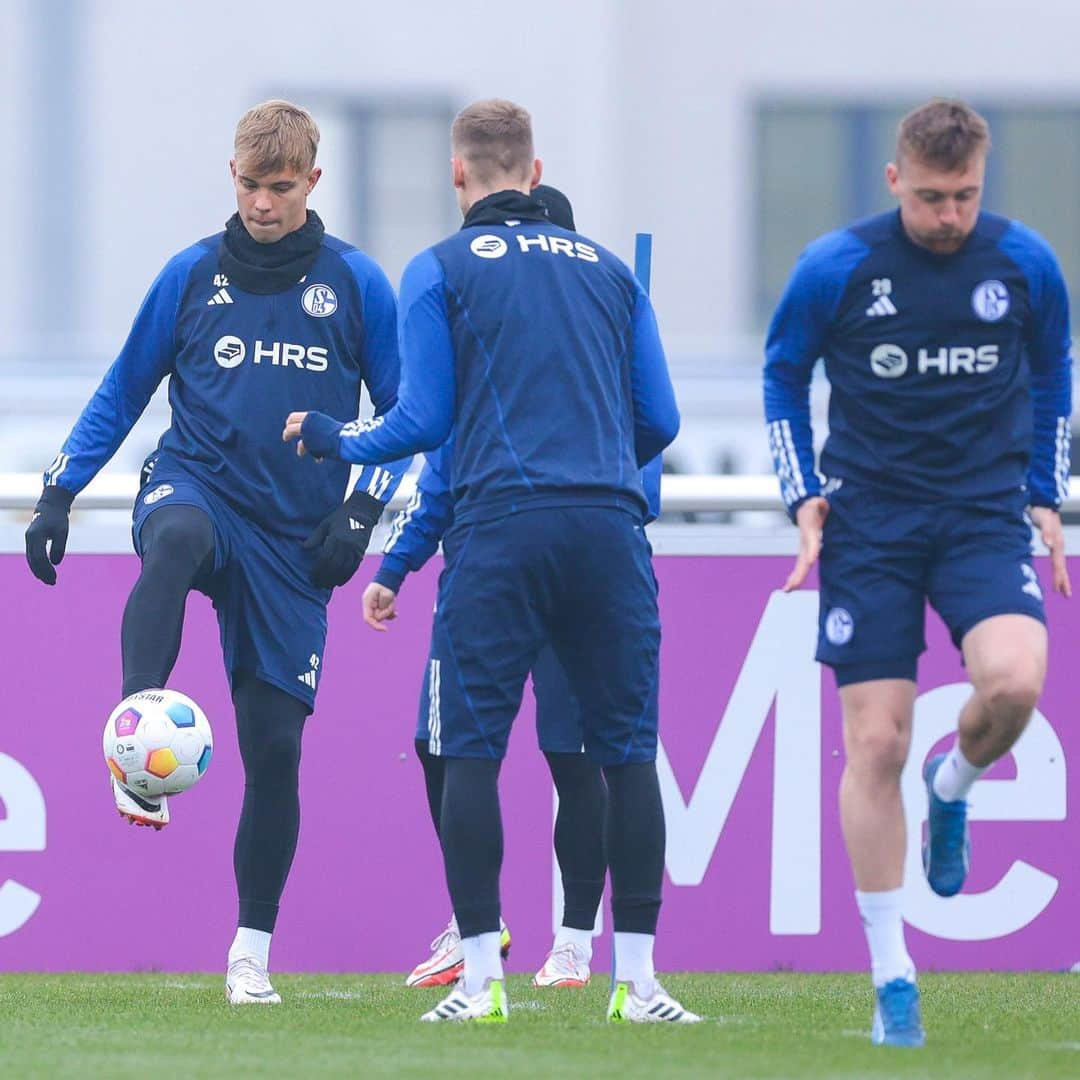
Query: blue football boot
point(946, 854)
point(896, 1016)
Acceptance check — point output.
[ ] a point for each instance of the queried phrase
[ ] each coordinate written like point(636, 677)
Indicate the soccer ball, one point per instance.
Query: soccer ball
point(157, 742)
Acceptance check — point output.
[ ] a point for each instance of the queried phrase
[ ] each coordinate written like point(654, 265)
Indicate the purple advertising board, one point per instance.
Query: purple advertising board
point(751, 757)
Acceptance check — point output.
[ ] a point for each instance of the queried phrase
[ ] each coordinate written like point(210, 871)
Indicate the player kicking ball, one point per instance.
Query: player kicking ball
point(242, 323)
point(945, 332)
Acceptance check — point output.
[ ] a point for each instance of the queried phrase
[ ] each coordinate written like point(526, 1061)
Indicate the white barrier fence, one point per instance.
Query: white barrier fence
point(680, 494)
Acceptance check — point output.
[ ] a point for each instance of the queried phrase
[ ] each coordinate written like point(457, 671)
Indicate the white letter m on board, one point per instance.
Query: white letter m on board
point(780, 668)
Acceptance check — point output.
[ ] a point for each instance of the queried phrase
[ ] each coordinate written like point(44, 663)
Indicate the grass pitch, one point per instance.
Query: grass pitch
point(776, 1025)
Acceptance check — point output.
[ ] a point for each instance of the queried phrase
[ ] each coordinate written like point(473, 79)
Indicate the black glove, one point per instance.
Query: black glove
point(342, 538)
point(48, 526)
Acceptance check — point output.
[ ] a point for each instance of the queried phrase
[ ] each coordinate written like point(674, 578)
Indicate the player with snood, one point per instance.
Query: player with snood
point(242, 323)
point(945, 333)
point(579, 844)
point(540, 351)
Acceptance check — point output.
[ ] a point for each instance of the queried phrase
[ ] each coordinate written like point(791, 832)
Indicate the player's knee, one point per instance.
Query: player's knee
point(182, 541)
point(877, 749)
point(1012, 692)
point(277, 759)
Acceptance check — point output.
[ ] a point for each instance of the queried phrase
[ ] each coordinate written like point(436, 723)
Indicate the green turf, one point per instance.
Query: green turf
point(777, 1025)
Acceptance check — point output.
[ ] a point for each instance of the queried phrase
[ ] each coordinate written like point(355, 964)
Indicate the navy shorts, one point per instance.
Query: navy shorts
point(883, 558)
point(560, 728)
point(272, 619)
point(578, 579)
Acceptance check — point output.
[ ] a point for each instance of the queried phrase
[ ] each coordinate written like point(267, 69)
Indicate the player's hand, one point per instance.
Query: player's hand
point(294, 424)
point(319, 434)
point(341, 539)
point(810, 517)
point(379, 606)
point(47, 533)
point(1048, 523)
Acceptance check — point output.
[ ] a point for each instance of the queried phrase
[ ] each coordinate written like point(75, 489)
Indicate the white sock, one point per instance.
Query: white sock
point(634, 961)
point(580, 939)
point(883, 920)
point(248, 942)
point(482, 960)
point(955, 776)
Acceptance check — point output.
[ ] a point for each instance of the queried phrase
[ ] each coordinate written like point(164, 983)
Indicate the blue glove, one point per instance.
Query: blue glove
point(321, 435)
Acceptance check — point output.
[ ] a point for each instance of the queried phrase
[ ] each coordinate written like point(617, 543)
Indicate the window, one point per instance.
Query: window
point(386, 173)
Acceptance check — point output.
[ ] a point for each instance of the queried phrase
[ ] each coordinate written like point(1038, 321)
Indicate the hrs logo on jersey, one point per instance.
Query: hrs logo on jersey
point(891, 361)
point(558, 245)
point(230, 352)
point(495, 247)
point(488, 247)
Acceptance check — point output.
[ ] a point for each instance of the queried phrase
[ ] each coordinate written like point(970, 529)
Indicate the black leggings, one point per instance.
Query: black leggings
point(579, 827)
point(472, 843)
point(177, 553)
point(269, 727)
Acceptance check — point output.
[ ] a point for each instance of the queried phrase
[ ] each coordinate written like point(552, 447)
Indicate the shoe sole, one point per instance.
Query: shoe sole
point(559, 983)
point(935, 886)
point(134, 819)
point(489, 1018)
point(438, 978)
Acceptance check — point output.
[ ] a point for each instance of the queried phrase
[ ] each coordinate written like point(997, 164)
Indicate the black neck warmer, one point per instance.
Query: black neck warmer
point(269, 268)
point(495, 209)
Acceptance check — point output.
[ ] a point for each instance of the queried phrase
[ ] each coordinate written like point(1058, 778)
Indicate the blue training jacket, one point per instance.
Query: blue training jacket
point(540, 350)
point(950, 376)
point(418, 529)
point(239, 362)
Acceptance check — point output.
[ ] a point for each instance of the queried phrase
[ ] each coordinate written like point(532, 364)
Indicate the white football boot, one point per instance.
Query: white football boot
point(658, 1007)
point(488, 1007)
point(447, 961)
point(566, 965)
point(138, 809)
point(247, 982)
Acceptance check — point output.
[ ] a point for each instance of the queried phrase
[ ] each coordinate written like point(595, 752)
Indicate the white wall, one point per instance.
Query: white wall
point(641, 110)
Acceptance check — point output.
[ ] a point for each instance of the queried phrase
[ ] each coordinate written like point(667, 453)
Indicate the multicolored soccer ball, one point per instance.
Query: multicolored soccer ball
point(157, 742)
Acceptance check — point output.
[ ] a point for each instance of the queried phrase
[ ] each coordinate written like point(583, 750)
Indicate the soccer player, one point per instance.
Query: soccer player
point(945, 332)
point(579, 849)
point(243, 322)
point(539, 349)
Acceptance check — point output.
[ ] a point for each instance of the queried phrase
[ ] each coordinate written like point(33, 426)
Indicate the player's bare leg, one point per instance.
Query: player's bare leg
point(877, 737)
point(1006, 659)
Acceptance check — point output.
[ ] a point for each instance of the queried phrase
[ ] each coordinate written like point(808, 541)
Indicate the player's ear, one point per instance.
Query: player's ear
point(892, 177)
point(232, 168)
point(537, 172)
point(313, 179)
point(457, 172)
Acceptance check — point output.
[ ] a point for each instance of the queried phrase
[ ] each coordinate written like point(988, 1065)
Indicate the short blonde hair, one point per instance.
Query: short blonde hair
point(944, 133)
point(275, 136)
point(495, 137)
